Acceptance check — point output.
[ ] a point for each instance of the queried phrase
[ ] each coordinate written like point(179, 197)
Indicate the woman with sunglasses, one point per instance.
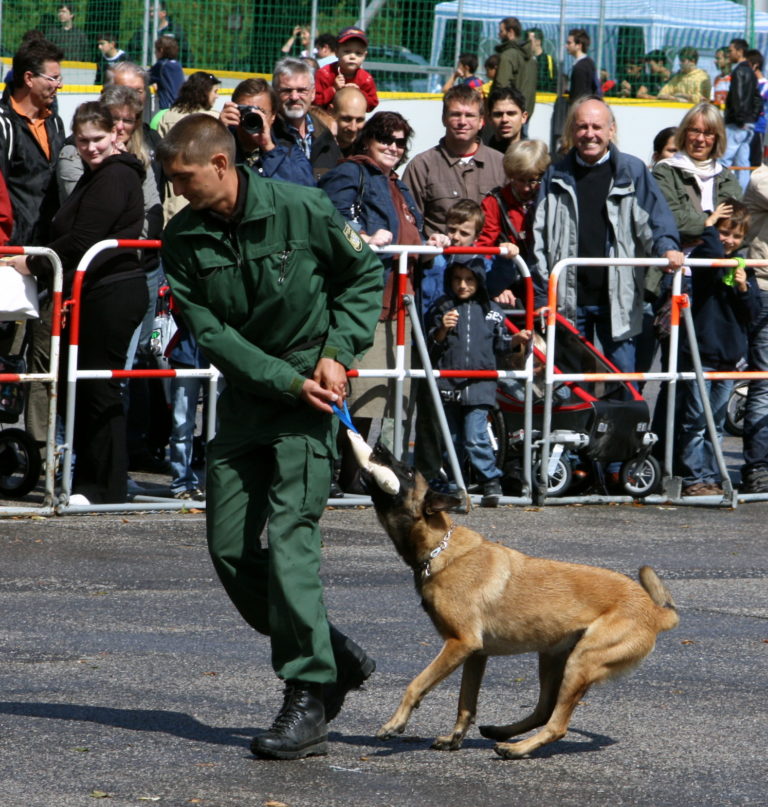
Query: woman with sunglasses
point(107, 202)
point(366, 190)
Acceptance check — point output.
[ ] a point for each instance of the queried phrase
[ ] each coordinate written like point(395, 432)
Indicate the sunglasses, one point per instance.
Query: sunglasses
point(386, 140)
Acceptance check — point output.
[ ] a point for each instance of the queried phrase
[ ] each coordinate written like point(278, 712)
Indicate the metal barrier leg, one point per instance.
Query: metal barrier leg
point(729, 494)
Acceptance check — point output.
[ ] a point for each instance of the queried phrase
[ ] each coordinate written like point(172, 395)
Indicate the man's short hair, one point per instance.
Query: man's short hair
point(107, 36)
point(69, 6)
point(329, 40)
point(755, 58)
point(537, 34)
point(469, 60)
point(509, 93)
point(740, 44)
point(512, 24)
point(464, 94)
point(291, 67)
point(195, 139)
point(31, 57)
point(689, 53)
point(492, 62)
point(128, 67)
point(466, 210)
point(167, 47)
point(581, 38)
point(526, 157)
point(656, 56)
point(254, 86)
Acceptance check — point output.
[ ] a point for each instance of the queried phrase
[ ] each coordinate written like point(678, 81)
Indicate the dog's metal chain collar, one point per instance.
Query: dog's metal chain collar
point(425, 566)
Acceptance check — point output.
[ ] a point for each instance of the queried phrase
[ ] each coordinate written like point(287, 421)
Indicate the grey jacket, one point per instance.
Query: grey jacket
point(640, 225)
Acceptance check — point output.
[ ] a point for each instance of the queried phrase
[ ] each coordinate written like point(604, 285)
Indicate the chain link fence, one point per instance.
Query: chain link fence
point(413, 43)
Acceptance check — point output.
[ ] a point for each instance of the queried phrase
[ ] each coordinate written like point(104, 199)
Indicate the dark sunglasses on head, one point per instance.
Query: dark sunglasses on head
point(386, 140)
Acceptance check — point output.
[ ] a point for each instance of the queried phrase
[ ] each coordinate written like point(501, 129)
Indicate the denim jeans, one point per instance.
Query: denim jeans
point(185, 393)
point(756, 414)
point(594, 320)
point(739, 139)
point(697, 452)
point(469, 431)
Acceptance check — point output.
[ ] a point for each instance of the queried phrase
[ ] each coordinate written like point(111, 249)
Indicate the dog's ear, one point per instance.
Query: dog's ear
point(435, 502)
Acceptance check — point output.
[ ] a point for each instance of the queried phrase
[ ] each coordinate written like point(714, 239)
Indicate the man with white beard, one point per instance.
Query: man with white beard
point(294, 84)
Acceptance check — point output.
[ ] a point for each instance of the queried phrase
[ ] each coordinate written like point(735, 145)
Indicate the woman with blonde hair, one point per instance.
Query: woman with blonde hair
point(692, 180)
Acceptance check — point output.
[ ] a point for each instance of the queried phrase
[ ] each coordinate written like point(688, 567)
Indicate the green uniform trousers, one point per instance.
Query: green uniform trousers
point(282, 485)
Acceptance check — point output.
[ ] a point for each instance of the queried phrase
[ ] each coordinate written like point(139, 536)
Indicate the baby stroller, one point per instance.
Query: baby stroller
point(593, 423)
point(20, 461)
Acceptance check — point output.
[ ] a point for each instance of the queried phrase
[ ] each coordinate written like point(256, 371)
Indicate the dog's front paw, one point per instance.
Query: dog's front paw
point(389, 730)
point(448, 742)
point(510, 751)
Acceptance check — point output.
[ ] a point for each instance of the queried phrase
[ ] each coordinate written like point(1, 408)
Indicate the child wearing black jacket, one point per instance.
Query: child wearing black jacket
point(466, 331)
point(723, 303)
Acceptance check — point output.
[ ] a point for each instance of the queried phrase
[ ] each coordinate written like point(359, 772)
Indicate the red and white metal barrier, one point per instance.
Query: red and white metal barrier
point(49, 378)
point(74, 375)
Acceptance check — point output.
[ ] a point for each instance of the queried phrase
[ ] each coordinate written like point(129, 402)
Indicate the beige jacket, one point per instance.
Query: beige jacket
point(756, 199)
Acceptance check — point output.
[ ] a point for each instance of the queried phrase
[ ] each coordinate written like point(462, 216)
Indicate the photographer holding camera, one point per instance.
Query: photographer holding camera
point(249, 116)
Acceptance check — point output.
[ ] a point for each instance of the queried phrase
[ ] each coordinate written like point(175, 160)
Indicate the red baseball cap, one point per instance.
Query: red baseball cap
point(352, 33)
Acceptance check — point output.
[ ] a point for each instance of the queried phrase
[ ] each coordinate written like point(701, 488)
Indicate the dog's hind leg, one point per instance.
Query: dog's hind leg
point(611, 645)
point(551, 668)
point(453, 653)
point(471, 678)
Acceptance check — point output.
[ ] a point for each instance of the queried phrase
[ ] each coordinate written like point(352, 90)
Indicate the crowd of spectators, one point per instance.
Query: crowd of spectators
point(482, 183)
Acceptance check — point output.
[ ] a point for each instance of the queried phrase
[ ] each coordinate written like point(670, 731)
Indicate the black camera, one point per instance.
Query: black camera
point(250, 119)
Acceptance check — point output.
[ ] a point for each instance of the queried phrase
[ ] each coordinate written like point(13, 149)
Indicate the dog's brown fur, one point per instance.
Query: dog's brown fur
point(586, 623)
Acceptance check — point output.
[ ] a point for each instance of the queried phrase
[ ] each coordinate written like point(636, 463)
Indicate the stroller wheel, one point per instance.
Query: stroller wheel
point(20, 463)
point(559, 476)
point(734, 412)
point(640, 477)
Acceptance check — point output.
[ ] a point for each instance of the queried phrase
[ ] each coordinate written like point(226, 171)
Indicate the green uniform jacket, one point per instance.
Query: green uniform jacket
point(684, 197)
point(292, 284)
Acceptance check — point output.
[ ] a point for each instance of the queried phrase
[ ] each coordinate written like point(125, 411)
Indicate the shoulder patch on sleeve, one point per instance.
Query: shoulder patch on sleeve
point(353, 238)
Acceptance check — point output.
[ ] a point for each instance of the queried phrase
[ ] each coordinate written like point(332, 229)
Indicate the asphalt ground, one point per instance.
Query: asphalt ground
point(126, 674)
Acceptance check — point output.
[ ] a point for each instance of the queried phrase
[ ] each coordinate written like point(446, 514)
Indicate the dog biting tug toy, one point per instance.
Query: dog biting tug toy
point(384, 477)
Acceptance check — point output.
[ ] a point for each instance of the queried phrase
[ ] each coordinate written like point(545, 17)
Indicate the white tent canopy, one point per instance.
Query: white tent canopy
point(703, 24)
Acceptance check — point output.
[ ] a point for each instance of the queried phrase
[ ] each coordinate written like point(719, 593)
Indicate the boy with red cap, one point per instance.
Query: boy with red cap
point(352, 48)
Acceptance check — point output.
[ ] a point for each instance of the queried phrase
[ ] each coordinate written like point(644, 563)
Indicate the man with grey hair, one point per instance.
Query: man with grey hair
point(598, 202)
point(294, 84)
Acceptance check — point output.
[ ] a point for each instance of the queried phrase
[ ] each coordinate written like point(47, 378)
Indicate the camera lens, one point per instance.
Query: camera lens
point(251, 121)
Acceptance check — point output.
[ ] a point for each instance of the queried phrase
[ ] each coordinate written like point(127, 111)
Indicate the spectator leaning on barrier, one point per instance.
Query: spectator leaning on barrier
point(283, 330)
point(599, 202)
point(546, 69)
point(754, 472)
point(517, 66)
point(351, 50)
point(111, 55)
point(255, 142)
point(295, 87)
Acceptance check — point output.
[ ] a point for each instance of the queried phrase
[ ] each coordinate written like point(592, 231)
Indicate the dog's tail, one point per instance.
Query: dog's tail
point(659, 593)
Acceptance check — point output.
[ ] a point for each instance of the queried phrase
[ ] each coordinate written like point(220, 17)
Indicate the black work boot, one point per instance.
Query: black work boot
point(353, 667)
point(299, 729)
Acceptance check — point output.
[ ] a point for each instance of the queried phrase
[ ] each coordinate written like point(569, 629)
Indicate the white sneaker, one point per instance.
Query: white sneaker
point(77, 499)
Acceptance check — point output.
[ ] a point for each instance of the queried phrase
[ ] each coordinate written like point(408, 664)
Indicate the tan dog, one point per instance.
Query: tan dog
point(587, 624)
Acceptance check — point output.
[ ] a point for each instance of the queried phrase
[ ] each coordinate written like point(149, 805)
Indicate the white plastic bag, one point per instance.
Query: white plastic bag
point(18, 295)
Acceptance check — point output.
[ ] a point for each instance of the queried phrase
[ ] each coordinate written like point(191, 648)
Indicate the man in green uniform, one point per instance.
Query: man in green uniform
point(281, 294)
